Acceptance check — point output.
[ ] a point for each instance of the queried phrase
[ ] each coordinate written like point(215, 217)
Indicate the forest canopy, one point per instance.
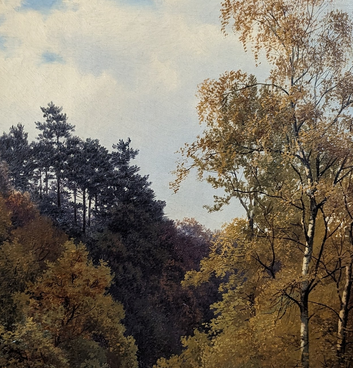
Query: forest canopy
point(96, 263)
point(94, 274)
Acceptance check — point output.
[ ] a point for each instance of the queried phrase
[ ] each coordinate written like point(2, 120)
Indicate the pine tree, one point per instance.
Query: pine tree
point(16, 152)
point(54, 133)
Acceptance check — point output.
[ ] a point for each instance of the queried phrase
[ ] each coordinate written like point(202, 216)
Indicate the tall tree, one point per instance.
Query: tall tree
point(282, 144)
point(70, 301)
point(87, 171)
point(16, 152)
point(54, 133)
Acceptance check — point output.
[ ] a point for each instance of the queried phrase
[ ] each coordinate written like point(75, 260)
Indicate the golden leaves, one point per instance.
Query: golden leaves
point(30, 346)
point(284, 149)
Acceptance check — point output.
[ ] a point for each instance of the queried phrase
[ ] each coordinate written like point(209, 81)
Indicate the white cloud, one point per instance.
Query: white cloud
point(125, 71)
point(9, 5)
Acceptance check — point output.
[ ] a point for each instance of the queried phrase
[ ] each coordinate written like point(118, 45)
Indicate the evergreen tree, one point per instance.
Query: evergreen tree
point(54, 133)
point(16, 152)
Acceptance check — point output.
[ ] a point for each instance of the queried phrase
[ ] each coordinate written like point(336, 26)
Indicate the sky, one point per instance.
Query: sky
point(121, 69)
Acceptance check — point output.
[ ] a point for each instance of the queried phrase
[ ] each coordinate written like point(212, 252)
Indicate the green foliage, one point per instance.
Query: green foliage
point(55, 308)
point(16, 152)
point(83, 353)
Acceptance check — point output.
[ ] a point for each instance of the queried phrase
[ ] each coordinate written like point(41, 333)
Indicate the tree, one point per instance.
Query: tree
point(54, 133)
point(29, 346)
point(70, 303)
point(28, 242)
point(149, 257)
point(55, 309)
point(5, 185)
point(88, 169)
point(16, 152)
point(128, 186)
point(282, 144)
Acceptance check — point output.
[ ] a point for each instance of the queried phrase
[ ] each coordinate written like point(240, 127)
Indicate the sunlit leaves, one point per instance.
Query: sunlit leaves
point(53, 299)
point(69, 300)
point(283, 148)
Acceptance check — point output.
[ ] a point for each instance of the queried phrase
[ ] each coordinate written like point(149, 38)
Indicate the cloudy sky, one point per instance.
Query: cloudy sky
point(120, 68)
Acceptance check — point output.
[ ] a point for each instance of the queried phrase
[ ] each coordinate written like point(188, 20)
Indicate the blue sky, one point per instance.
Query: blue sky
point(45, 6)
point(121, 68)
point(51, 57)
point(40, 5)
point(136, 2)
point(2, 42)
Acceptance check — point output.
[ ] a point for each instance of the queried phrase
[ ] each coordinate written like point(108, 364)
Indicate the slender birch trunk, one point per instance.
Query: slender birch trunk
point(343, 315)
point(305, 286)
point(304, 326)
point(344, 310)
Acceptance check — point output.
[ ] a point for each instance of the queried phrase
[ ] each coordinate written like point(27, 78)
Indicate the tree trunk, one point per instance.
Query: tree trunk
point(75, 207)
point(89, 210)
point(304, 325)
point(343, 315)
point(58, 190)
point(46, 182)
point(305, 286)
point(40, 185)
point(84, 211)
